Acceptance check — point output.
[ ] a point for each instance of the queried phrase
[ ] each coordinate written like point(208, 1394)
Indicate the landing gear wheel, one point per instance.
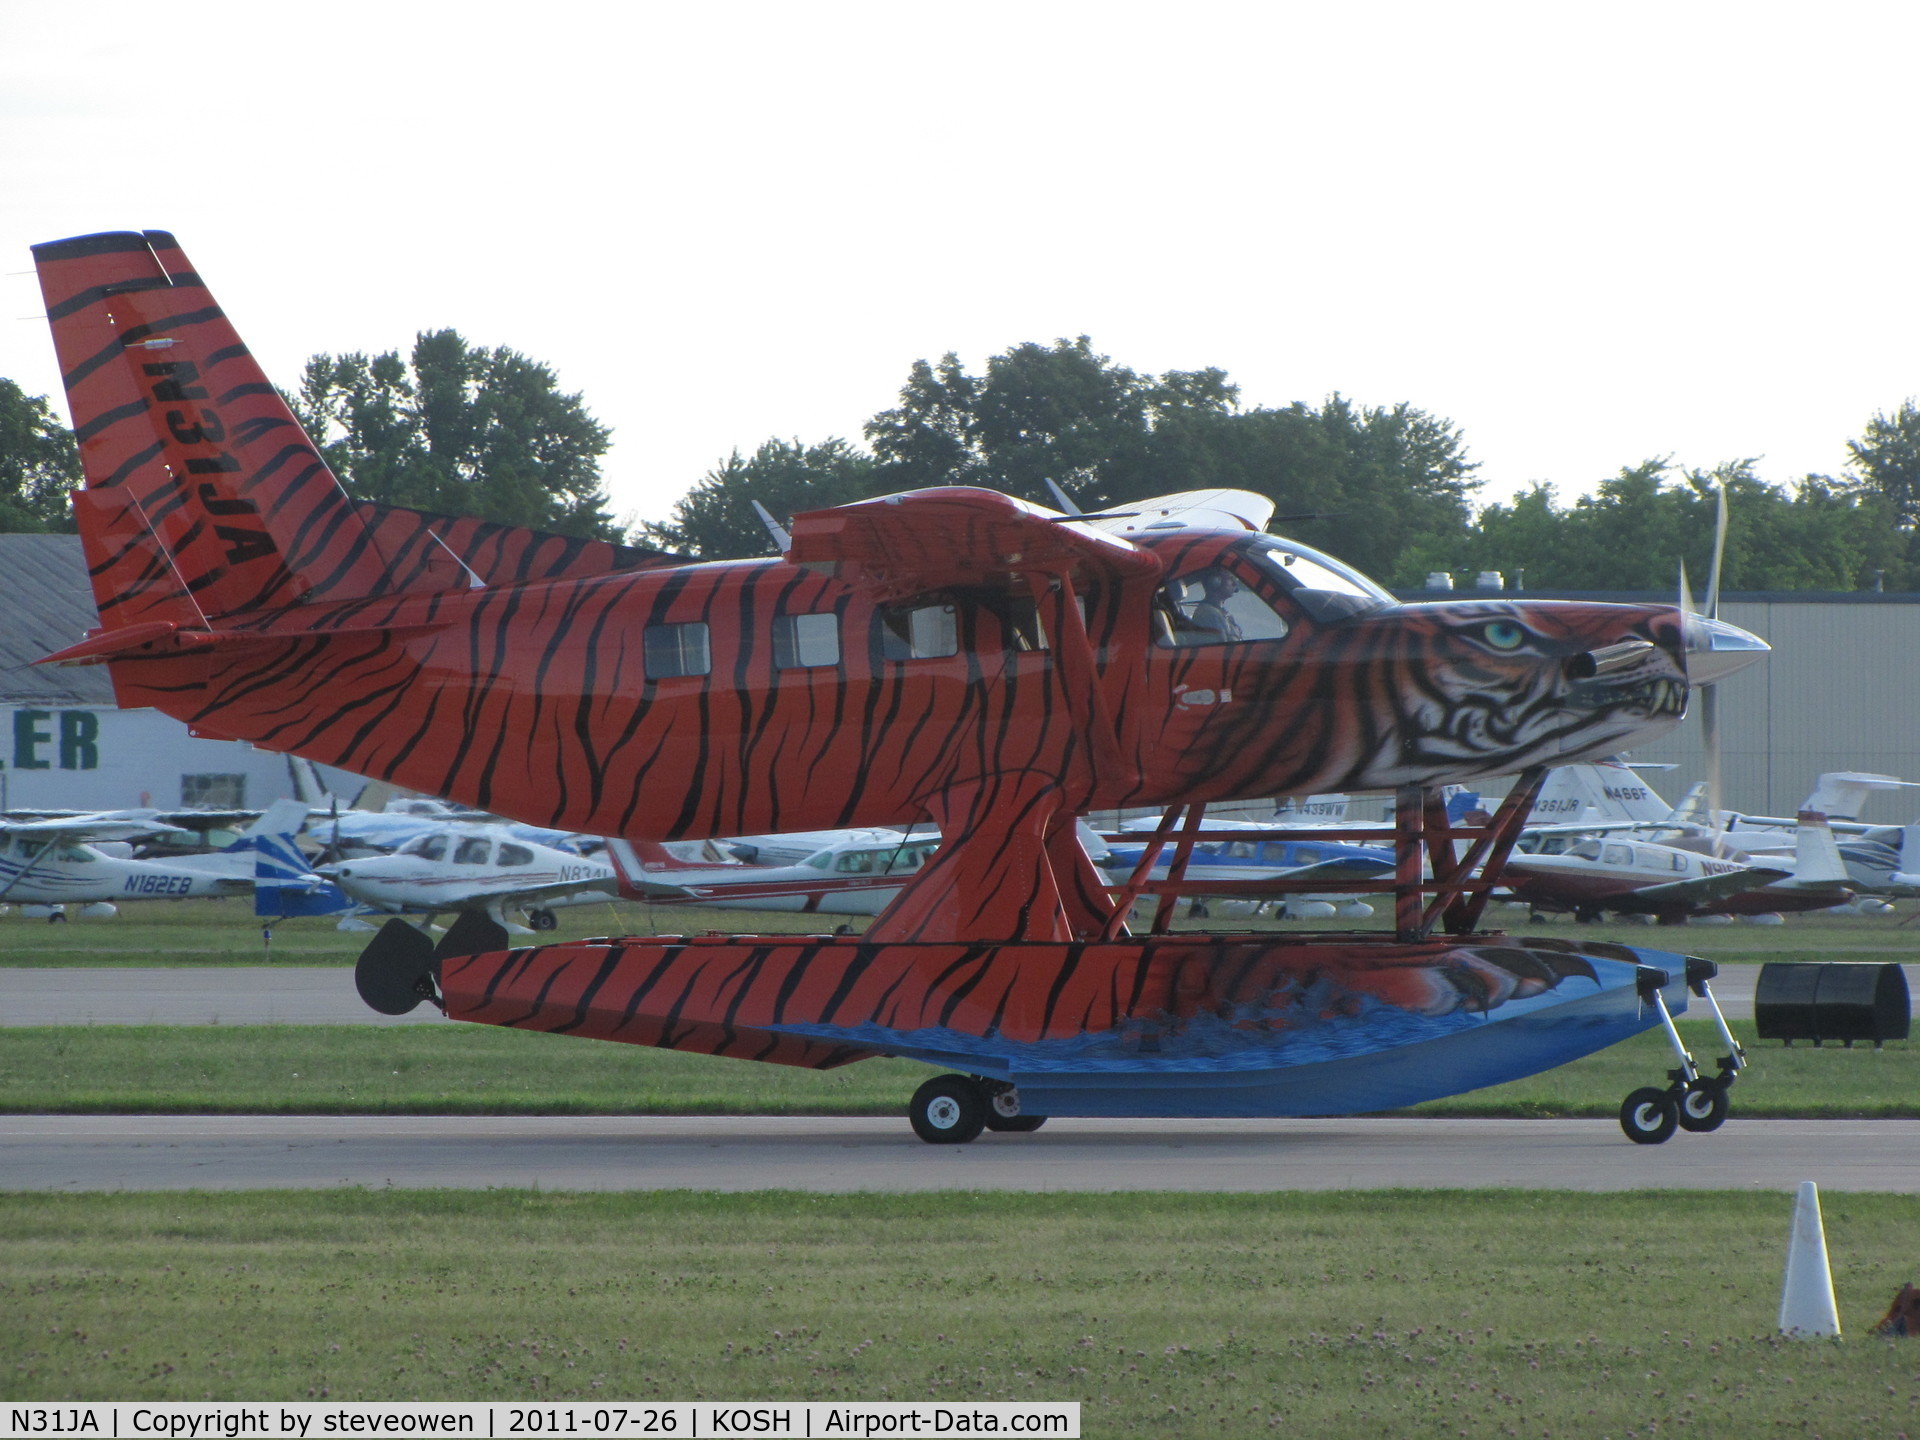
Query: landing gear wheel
point(948, 1110)
point(1003, 1114)
point(1704, 1106)
point(542, 919)
point(1649, 1116)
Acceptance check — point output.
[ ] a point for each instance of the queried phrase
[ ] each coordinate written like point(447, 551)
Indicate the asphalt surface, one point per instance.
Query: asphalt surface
point(165, 1152)
point(324, 995)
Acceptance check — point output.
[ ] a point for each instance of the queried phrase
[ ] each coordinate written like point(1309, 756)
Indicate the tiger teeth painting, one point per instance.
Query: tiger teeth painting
point(954, 656)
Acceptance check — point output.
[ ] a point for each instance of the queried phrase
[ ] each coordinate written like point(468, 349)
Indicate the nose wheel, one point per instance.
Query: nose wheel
point(1691, 1101)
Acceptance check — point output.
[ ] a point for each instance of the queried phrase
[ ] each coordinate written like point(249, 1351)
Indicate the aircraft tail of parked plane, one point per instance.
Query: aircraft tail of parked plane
point(1605, 792)
point(285, 886)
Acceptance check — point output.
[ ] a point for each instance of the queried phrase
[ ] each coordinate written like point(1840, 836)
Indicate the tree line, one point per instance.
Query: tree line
point(456, 428)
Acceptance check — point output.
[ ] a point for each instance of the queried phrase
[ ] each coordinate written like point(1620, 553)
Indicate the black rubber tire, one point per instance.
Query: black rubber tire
point(1704, 1106)
point(948, 1110)
point(58, 917)
point(1649, 1116)
point(1003, 1113)
point(1016, 1124)
point(543, 920)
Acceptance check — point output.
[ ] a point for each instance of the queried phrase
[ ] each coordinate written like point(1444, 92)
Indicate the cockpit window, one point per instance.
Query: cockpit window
point(1212, 607)
point(1326, 589)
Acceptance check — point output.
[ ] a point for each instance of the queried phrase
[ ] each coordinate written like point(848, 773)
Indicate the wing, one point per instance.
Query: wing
point(85, 828)
point(1189, 510)
point(904, 545)
point(1702, 891)
point(553, 890)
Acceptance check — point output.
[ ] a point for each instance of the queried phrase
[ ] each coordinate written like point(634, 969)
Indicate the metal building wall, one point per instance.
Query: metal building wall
point(1841, 691)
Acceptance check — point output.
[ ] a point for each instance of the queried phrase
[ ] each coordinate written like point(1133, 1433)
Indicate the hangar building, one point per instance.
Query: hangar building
point(63, 743)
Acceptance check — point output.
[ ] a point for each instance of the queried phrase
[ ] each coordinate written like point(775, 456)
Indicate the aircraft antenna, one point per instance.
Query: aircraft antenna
point(782, 540)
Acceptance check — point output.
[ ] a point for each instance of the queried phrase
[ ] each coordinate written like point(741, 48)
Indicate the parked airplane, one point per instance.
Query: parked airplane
point(1630, 876)
point(1236, 858)
point(483, 868)
point(858, 873)
point(47, 865)
point(950, 656)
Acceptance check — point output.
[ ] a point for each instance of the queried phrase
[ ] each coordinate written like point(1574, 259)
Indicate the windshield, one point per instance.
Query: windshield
point(1325, 588)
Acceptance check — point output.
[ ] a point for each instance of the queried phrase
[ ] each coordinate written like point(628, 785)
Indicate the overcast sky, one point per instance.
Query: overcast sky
point(1586, 234)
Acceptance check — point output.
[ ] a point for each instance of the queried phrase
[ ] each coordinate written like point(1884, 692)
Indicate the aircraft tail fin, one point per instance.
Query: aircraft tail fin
point(280, 819)
point(204, 496)
point(1604, 792)
point(284, 885)
point(1817, 861)
point(1842, 794)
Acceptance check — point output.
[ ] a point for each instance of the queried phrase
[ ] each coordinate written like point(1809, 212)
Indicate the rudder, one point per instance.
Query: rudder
point(204, 496)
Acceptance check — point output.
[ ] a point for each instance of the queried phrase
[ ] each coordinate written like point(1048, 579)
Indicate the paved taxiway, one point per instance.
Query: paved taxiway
point(167, 1152)
point(324, 995)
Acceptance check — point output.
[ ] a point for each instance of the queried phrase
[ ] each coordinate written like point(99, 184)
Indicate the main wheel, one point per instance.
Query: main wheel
point(1003, 1114)
point(1704, 1107)
point(948, 1110)
point(1649, 1116)
point(542, 919)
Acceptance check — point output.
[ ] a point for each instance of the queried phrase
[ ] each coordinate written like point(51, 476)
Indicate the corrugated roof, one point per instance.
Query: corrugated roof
point(45, 605)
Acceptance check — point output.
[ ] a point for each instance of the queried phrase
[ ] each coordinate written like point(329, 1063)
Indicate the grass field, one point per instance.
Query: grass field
point(1379, 1314)
point(224, 932)
point(478, 1069)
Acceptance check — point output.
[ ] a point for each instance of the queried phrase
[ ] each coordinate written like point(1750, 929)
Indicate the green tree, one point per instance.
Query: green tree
point(1055, 412)
point(1886, 459)
point(1637, 528)
point(462, 430)
point(39, 464)
point(716, 519)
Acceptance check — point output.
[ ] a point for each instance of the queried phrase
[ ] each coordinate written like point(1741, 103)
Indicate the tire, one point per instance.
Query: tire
point(542, 919)
point(1649, 1116)
point(948, 1110)
point(1004, 1117)
point(1704, 1106)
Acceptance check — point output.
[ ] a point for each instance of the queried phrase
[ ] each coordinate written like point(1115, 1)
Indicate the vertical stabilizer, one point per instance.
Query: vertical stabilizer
point(204, 496)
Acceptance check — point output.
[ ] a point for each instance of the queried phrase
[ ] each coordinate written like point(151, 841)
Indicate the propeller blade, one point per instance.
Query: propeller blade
point(1719, 549)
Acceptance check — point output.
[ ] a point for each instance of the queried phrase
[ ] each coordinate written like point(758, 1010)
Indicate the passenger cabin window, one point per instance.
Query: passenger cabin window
point(672, 650)
point(1212, 607)
point(473, 851)
point(1586, 850)
point(918, 632)
point(77, 854)
point(515, 855)
point(1619, 855)
point(427, 847)
point(858, 862)
point(803, 641)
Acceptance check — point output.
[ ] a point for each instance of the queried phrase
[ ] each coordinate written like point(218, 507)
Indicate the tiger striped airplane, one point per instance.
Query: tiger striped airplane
point(952, 656)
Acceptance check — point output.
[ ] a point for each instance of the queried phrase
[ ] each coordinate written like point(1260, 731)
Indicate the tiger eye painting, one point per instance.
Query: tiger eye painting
point(954, 657)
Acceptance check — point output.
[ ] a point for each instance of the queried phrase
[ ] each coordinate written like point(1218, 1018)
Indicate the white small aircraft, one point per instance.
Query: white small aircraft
point(855, 872)
point(459, 866)
point(86, 861)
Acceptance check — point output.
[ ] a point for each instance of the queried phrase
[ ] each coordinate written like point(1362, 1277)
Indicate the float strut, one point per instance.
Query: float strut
point(1650, 983)
point(1699, 972)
